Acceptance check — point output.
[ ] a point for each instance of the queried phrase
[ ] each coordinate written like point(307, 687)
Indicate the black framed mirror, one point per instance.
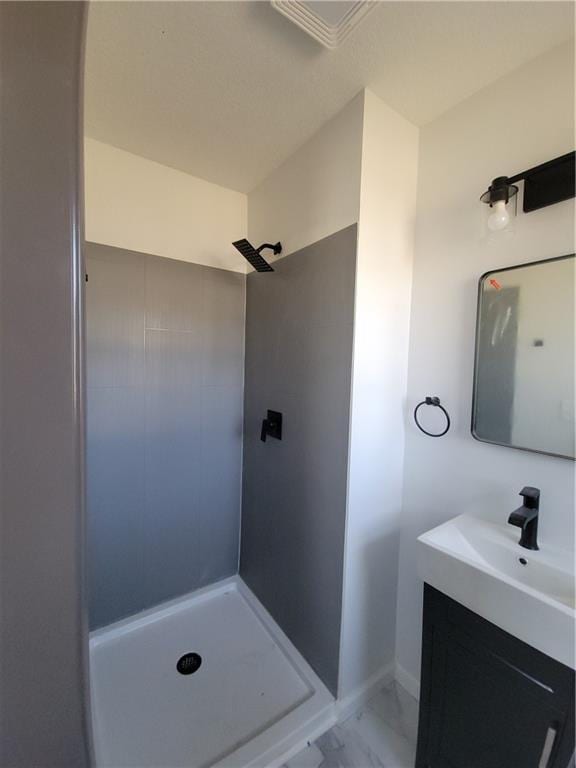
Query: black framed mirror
point(524, 370)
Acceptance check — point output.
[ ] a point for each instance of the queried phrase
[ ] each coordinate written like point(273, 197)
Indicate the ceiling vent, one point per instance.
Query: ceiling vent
point(328, 22)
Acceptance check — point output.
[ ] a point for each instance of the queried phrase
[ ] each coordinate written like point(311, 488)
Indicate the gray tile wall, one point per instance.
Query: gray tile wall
point(165, 383)
point(299, 329)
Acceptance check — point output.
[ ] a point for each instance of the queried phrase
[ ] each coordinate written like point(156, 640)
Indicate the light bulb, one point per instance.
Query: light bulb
point(499, 217)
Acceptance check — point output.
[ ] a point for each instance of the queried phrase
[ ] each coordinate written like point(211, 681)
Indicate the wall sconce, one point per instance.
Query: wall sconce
point(497, 196)
point(545, 184)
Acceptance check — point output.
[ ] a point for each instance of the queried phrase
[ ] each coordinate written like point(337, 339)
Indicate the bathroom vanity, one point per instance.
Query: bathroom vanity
point(497, 682)
point(488, 700)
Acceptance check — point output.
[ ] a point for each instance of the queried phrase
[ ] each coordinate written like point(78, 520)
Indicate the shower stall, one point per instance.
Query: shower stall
point(216, 539)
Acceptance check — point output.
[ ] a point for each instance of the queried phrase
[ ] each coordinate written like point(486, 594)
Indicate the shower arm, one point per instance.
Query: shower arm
point(277, 248)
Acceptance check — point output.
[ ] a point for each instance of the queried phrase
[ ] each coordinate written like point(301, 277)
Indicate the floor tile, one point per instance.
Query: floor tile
point(342, 747)
point(382, 734)
point(391, 748)
point(309, 757)
point(397, 708)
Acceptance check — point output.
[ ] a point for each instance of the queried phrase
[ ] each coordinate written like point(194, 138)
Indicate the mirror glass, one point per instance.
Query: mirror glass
point(524, 371)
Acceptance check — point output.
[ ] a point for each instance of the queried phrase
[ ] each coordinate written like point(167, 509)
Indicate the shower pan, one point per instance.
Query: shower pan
point(250, 699)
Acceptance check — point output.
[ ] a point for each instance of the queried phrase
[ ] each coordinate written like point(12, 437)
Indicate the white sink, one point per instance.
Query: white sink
point(529, 594)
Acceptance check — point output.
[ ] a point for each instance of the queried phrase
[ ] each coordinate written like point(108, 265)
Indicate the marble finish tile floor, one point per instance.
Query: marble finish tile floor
point(382, 734)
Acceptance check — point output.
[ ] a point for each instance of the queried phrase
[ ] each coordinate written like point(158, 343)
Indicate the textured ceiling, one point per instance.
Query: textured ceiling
point(228, 90)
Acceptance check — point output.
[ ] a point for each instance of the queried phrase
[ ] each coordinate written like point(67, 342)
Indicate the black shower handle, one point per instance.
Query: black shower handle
point(264, 430)
point(271, 426)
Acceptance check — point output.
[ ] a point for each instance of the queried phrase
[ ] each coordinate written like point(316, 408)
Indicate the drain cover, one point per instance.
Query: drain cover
point(189, 663)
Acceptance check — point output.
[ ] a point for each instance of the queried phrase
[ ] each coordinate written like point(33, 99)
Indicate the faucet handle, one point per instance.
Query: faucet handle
point(531, 497)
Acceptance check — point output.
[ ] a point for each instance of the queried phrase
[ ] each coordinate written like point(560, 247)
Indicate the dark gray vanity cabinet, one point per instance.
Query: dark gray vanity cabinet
point(487, 699)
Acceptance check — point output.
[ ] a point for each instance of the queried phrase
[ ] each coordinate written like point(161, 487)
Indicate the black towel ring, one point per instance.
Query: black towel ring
point(436, 402)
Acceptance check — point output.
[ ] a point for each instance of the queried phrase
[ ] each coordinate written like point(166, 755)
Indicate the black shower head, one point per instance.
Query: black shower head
point(252, 254)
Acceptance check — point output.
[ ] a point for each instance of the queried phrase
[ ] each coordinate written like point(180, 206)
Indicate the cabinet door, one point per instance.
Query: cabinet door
point(489, 700)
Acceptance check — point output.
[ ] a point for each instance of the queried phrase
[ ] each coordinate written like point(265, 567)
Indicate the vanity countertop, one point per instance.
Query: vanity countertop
point(529, 594)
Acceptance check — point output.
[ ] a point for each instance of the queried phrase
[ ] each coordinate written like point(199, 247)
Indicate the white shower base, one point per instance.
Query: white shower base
point(253, 702)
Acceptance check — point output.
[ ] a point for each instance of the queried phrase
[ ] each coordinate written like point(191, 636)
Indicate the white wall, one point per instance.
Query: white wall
point(361, 167)
point(381, 332)
point(521, 120)
point(316, 192)
point(141, 205)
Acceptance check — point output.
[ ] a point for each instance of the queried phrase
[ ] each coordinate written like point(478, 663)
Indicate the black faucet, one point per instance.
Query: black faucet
point(526, 517)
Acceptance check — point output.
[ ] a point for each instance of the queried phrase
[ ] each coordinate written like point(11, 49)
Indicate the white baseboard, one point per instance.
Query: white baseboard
point(347, 705)
point(407, 681)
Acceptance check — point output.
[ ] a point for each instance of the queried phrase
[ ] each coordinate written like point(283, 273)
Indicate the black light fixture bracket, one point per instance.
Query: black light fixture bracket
point(500, 189)
point(545, 184)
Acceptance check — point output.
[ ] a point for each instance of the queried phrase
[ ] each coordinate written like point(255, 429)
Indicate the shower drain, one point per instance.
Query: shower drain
point(189, 663)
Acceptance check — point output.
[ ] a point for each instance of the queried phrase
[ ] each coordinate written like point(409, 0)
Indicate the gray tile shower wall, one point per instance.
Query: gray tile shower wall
point(165, 382)
point(299, 330)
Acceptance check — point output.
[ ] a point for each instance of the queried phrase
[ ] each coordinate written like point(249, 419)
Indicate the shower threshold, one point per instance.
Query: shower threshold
point(205, 680)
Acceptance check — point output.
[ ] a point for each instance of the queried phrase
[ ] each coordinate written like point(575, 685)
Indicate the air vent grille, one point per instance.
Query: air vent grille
point(328, 22)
